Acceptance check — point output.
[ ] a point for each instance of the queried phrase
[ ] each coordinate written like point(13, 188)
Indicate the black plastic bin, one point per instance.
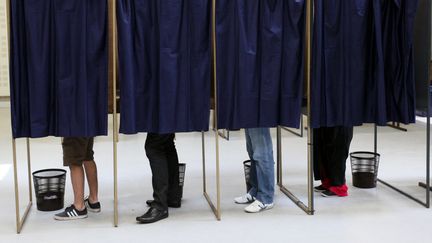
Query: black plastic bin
point(364, 168)
point(182, 170)
point(49, 189)
point(247, 166)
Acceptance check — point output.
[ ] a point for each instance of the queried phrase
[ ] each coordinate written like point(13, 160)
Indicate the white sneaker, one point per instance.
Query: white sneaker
point(245, 199)
point(258, 206)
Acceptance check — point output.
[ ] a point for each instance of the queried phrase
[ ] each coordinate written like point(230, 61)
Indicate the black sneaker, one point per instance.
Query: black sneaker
point(320, 188)
point(328, 193)
point(71, 213)
point(92, 207)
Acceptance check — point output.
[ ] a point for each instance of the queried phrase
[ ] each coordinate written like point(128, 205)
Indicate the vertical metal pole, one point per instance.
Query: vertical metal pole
point(279, 156)
point(29, 170)
point(204, 162)
point(428, 185)
point(428, 130)
point(114, 95)
point(218, 216)
point(15, 167)
point(301, 125)
point(308, 81)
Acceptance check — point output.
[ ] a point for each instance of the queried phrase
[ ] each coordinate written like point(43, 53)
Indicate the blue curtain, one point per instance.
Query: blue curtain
point(260, 59)
point(362, 62)
point(59, 68)
point(398, 27)
point(164, 62)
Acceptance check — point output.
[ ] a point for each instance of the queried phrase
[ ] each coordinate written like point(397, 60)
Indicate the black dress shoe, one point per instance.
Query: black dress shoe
point(152, 215)
point(170, 204)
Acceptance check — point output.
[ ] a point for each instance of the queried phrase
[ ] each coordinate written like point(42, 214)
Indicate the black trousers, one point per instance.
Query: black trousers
point(162, 154)
point(331, 149)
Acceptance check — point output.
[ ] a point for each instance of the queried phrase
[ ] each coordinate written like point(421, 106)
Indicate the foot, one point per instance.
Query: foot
point(173, 204)
point(320, 188)
point(71, 213)
point(245, 199)
point(258, 206)
point(152, 215)
point(92, 207)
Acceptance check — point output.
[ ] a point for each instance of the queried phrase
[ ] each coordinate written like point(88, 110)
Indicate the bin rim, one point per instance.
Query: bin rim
point(353, 154)
point(46, 170)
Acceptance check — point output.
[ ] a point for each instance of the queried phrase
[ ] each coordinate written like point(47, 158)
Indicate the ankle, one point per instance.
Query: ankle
point(93, 199)
point(79, 207)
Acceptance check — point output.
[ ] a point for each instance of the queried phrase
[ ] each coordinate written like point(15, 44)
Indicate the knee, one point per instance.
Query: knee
point(152, 150)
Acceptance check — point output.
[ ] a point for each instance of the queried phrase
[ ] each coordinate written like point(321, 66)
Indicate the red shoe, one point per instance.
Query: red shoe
point(336, 191)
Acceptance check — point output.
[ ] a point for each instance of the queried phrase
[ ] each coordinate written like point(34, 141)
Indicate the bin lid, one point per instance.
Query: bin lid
point(49, 173)
point(364, 155)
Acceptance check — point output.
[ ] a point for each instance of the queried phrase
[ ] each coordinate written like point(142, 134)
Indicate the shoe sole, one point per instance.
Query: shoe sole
point(93, 210)
point(328, 196)
point(151, 221)
point(318, 190)
point(70, 218)
point(249, 202)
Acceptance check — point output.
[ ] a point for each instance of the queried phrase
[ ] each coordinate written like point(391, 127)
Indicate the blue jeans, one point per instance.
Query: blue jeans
point(260, 150)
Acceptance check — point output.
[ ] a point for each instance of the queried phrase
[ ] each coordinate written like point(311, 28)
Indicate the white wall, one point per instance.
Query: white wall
point(4, 71)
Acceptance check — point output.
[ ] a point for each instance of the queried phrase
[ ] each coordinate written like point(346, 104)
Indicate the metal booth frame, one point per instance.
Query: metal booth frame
point(309, 208)
point(21, 219)
point(215, 207)
point(425, 49)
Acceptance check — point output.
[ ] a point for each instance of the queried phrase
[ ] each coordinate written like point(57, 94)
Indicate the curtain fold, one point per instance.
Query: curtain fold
point(59, 68)
point(398, 26)
point(362, 68)
point(260, 57)
point(164, 65)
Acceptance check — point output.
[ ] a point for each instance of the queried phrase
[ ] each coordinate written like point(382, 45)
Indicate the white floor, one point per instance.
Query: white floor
point(373, 215)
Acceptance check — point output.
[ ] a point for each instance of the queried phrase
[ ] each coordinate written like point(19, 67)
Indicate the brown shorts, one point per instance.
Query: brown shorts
point(76, 150)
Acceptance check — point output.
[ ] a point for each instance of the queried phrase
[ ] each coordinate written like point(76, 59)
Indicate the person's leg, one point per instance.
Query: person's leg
point(155, 147)
point(252, 172)
point(262, 148)
point(339, 141)
point(92, 180)
point(174, 196)
point(319, 158)
point(73, 155)
point(91, 173)
point(77, 179)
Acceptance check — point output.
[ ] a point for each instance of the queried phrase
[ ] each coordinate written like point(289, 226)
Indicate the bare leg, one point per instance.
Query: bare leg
point(92, 180)
point(77, 178)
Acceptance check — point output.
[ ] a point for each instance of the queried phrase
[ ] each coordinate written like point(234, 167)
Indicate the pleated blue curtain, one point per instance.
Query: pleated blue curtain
point(59, 68)
point(348, 85)
point(260, 55)
point(362, 62)
point(398, 28)
point(164, 65)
